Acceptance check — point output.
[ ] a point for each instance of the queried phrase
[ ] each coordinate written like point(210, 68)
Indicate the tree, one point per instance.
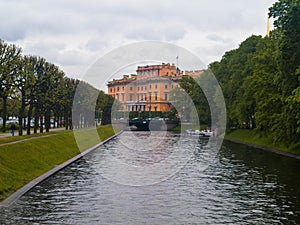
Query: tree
point(182, 101)
point(31, 88)
point(24, 83)
point(69, 86)
point(231, 72)
point(106, 106)
point(262, 87)
point(53, 79)
point(9, 57)
point(287, 23)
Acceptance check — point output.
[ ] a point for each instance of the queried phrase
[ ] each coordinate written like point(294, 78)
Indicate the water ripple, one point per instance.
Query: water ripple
point(241, 186)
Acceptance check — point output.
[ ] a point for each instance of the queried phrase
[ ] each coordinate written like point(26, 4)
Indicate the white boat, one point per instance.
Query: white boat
point(206, 133)
point(203, 133)
point(193, 132)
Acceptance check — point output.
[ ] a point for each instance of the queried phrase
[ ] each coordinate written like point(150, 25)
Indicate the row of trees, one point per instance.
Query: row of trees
point(261, 79)
point(38, 89)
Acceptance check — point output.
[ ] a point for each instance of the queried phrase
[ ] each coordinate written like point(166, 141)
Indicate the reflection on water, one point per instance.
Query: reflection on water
point(242, 186)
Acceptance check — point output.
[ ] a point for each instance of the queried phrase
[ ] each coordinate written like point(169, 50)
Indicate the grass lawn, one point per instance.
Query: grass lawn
point(8, 139)
point(258, 138)
point(23, 161)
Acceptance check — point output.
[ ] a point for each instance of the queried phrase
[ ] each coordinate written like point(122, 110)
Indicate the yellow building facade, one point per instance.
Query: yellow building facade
point(148, 90)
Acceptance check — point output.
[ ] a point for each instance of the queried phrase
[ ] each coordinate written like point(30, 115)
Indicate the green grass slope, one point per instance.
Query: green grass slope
point(23, 161)
point(258, 138)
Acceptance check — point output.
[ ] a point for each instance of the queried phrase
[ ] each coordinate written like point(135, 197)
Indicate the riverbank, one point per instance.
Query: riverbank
point(258, 140)
point(23, 161)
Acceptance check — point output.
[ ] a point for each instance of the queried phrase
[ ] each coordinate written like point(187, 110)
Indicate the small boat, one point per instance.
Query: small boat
point(193, 132)
point(207, 133)
point(153, 124)
point(203, 133)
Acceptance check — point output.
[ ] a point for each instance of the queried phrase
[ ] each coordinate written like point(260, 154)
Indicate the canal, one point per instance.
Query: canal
point(241, 185)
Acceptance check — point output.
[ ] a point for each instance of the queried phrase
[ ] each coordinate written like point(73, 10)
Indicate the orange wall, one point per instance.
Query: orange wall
point(138, 88)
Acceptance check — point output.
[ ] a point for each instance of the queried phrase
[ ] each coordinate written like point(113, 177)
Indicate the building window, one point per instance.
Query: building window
point(155, 96)
point(118, 89)
point(131, 97)
point(166, 96)
point(123, 88)
point(111, 90)
point(142, 88)
point(166, 86)
point(138, 88)
point(155, 86)
point(131, 88)
point(150, 93)
point(150, 86)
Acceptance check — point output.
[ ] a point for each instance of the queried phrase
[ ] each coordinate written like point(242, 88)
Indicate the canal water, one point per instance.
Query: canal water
point(242, 185)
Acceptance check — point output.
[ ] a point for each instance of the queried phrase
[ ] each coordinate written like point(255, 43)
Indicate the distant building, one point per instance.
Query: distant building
point(149, 89)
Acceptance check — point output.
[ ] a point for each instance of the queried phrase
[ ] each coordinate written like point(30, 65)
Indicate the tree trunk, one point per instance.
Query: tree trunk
point(60, 121)
point(29, 118)
point(21, 116)
point(66, 121)
point(24, 123)
point(36, 120)
point(47, 120)
point(54, 120)
point(20, 125)
point(4, 113)
point(70, 123)
point(41, 124)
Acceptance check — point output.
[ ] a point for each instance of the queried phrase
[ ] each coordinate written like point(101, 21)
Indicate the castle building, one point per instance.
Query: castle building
point(149, 89)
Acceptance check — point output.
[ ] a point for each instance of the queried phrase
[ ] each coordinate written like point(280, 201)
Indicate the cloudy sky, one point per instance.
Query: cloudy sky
point(75, 33)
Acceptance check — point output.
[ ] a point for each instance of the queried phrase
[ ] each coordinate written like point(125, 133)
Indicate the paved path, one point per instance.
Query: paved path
point(27, 139)
point(8, 134)
point(27, 136)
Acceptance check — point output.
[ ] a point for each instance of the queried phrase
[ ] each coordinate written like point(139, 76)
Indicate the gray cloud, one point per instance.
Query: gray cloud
point(73, 32)
point(159, 32)
point(219, 38)
point(95, 45)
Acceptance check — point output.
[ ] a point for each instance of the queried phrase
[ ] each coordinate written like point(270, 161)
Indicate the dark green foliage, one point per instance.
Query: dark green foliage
point(261, 79)
point(191, 95)
point(36, 89)
point(9, 67)
point(103, 107)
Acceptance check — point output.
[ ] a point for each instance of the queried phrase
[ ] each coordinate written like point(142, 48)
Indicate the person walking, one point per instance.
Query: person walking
point(12, 129)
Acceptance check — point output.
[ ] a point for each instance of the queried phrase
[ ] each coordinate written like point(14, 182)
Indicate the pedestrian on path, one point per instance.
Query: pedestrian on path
point(12, 129)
